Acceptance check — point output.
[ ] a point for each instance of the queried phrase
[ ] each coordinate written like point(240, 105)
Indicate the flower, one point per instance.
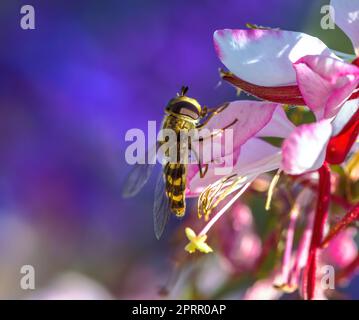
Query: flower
point(342, 250)
point(293, 67)
point(262, 290)
point(240, 245)
point(309, 145)
point(197, 242)
point(298, 69)
point(251, 155)
point(283, 67)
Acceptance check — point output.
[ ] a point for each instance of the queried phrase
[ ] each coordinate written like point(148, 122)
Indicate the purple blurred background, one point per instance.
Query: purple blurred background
point(69, 91)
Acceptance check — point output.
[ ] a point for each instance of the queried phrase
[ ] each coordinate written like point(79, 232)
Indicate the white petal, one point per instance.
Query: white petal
point(279, 126)
point(257, 156)
point(265, 57)
point(305, 149)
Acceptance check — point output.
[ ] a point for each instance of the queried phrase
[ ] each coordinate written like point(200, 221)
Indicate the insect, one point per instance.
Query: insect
point(182, 113)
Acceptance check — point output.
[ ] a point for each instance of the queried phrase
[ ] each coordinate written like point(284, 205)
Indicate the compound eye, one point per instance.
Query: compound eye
point(186, 109)
point(190, 113)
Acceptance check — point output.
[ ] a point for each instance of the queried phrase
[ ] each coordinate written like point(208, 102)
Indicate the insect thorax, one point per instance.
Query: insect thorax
point(177, 123)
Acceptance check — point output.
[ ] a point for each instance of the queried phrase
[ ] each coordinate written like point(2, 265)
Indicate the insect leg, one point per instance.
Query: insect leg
point(219, 131)
point(201, 167)
point(211, 113)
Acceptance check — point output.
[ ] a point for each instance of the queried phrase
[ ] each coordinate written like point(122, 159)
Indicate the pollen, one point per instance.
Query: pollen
point(196, 242)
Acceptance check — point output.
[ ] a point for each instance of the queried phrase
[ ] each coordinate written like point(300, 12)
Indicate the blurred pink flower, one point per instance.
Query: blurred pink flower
point(342, 250)
point(240, 244)
point(72, 286)
point(263, 290)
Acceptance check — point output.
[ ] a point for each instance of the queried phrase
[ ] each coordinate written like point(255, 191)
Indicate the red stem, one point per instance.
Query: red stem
point(340, 145)
point(284, 94)
point(350, 217)
point(289, 94)
point(339, 200)
point(321, 216)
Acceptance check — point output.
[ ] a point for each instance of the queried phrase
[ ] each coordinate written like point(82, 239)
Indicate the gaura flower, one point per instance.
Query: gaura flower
point(251, 155)
point(304, 150)
point(288, 68)
point(297, 69)
point(292, 67)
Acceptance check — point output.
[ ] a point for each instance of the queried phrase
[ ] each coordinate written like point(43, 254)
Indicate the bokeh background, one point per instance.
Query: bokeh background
point(69, 91)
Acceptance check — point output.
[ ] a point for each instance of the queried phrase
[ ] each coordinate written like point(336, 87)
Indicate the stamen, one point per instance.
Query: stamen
point(224, 209)
point(301, 200)
point(302, 252)
point(213, 194)
point(271, 189)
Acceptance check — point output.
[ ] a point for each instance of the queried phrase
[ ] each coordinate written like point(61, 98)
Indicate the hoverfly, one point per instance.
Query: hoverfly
point(182, 113)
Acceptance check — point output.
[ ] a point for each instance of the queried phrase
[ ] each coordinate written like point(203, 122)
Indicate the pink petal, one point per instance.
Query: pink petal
point(346, 16)
point(250, 117)
point(342, 249)
point(304, 150)
point(265, 57)
point(196, 184)
point(279, 126)
point(351, 216)
point(256, 157)
point(325, 83)
point(263, 290)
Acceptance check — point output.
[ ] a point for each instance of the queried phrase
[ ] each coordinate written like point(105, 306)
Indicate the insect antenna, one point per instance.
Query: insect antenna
point(183, 91)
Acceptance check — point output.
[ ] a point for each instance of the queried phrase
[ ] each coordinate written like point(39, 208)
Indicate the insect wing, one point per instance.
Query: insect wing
point(139, 175)
point(137, 178)
point(161, 208)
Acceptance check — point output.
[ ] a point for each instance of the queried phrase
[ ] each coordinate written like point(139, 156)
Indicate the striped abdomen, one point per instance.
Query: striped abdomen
point(175, 174)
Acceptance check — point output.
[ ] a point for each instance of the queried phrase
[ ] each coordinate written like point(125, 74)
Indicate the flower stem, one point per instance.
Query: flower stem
point(340, 145)
point(350, 217)
point(321, 216)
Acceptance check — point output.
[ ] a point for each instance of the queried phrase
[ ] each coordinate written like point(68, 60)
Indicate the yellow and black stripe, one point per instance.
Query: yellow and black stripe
point(175, 174)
